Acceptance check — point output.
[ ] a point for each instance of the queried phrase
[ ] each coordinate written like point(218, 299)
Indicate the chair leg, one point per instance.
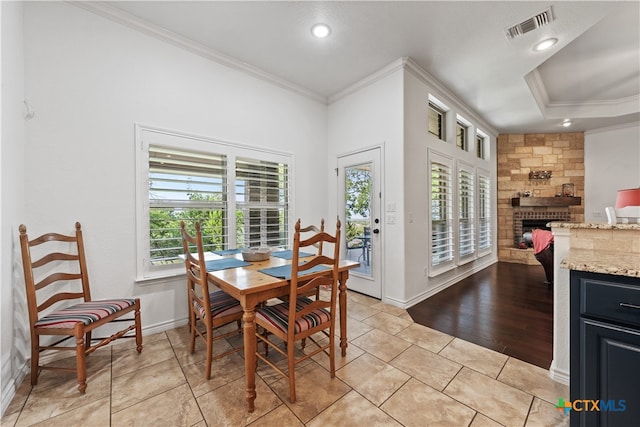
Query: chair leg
point(81, 363)
point(138, 328)
point(207, 369)
point(35, 358)
point(292, 373)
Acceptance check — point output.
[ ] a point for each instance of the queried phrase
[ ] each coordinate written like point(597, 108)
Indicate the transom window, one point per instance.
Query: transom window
point(480, 143)
point(436, 121)
point(461, 135)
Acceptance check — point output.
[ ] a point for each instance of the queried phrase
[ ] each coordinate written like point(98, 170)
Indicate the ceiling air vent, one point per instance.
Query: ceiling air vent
point(542, 18)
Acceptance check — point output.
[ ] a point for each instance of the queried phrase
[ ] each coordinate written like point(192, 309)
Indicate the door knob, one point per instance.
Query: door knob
point(376, 230)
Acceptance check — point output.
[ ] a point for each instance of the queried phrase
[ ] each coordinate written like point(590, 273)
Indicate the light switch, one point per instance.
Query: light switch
point(391, 218)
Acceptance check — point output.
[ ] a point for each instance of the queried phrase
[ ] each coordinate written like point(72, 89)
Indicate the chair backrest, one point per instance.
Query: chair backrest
point(313, 229)
point(195, 264)
point(59, 272)
point(306, 287)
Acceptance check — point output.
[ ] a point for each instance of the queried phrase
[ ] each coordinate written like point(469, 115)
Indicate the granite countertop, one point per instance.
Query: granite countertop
point(616, 263)
point(594, 225)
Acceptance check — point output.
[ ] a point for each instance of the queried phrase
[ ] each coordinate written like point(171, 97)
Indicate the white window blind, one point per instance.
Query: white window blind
point(185, 186)
point(238, 194)
point(441, 213)
point(466, 219)
point(484, 212)
point(262, 195)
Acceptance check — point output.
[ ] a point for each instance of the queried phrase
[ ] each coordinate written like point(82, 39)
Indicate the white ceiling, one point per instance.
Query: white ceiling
point(591, 76)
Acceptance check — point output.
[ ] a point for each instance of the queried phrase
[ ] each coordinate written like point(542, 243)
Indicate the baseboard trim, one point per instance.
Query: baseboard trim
point(559, 375)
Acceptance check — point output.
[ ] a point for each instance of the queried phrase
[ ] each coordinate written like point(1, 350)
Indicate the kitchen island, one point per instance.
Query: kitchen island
point(612, 249)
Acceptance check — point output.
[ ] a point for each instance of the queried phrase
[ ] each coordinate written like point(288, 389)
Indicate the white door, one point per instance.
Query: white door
point(359, 201)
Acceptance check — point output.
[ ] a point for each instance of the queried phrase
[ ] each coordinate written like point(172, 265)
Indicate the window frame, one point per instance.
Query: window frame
point(441, 113)
point(484, 212)
point(146, 136)
point(465, 126)
point(471, 218)
point(449, 260)
point(481, 145)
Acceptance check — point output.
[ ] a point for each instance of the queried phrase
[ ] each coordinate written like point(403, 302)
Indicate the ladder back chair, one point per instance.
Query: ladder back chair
point(305, 317)
point(207, 309)
point(59, 302)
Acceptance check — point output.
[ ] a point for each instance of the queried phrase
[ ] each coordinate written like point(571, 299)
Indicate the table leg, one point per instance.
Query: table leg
point(249, 330)
point(342, 299)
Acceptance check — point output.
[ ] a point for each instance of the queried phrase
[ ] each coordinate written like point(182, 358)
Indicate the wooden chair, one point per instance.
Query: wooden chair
point(295, 322)
point(313, 229)
point(57, 277)
point(207, 309)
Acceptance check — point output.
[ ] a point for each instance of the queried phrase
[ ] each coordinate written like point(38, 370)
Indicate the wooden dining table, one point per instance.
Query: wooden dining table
point(251, 287)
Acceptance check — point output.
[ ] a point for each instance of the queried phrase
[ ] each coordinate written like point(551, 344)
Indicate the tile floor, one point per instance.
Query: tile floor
point(396, 373)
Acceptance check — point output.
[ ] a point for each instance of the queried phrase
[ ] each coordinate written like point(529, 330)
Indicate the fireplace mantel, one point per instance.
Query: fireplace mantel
point(545, 201)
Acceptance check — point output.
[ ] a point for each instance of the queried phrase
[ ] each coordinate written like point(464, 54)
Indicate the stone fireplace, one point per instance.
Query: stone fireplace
point(539, 165)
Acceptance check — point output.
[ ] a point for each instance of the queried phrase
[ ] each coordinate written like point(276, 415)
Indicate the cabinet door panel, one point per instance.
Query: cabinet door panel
point(611, 374)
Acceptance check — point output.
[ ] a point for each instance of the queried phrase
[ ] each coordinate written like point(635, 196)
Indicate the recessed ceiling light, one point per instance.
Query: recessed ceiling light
point(545, 44)
point(320, 30)
point(566, 123)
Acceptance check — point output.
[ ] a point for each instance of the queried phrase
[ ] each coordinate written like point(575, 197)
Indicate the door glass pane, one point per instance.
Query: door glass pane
point(358, 187)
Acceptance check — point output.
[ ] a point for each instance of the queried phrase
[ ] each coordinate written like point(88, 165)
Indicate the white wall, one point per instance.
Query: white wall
point(89, 80)
point(611, 163)
point(13, 348)
point(418, 142)
point(372, 116)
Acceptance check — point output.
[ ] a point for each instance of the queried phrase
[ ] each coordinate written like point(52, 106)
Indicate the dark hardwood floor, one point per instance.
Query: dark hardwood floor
point(506, 307)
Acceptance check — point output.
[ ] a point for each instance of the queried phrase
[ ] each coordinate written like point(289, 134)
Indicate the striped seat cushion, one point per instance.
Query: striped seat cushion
point(86, 312)
point(278, 315)
point(222, 304)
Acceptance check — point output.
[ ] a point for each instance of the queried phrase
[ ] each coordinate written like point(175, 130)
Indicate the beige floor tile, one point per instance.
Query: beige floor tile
point(18, 401)
point(361, 299)
point(94, 414)
point(57, 392)
point(391, 309)
point(427, 367)
point(358, 311)
point(223, 371)
point(353, 352)
point(355, 328)
point(533, 380)
point(226, 406)
point(481, 421)
point(436, 408)
point(127, 361)
point(381, 344)
point(372, 378)
point(315, 391)
point(175, 407)
point(130, 343)
point(481, 359)
point(546, 414)
point(425, 337)
point(279, 417)
point(387, 322)
point(500, 402)
point(134, 387)
point(353, 410)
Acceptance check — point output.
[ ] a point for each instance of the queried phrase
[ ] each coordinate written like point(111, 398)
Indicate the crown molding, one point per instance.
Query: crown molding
point(119, 16)
point(396, 65)
point(635, 125)
point(445, 94)
point(578, 110)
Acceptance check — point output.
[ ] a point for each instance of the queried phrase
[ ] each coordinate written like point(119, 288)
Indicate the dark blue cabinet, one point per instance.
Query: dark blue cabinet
point(605, 350)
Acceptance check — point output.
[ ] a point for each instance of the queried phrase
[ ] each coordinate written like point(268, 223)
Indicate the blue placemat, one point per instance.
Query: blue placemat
point(288, 254)
point(284, 271)
point(222, 264)
point(228, 252)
